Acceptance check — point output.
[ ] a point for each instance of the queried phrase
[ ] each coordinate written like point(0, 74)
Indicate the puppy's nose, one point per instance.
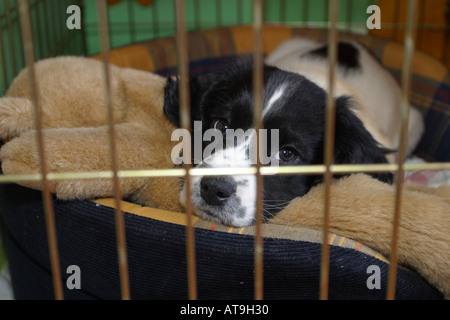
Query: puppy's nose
point(215, 191)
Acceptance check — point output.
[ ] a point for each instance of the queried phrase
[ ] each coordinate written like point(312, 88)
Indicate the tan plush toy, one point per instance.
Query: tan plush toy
point(72, 98)
point(362, 208)
point(71, 94)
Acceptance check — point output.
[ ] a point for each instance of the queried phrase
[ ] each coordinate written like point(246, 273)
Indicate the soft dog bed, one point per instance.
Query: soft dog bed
point(156, 239)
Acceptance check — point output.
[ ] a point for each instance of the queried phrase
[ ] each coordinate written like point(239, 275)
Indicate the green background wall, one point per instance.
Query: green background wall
point(158, 19)
point(130, 22)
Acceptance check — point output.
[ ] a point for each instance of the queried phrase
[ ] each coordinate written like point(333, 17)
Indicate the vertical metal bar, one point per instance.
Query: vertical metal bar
point(421, 26)
point(349, 15)
point(3, 70)
point(446, 53)
point(282, 10)
point(39, 41)
point(240, 12)
point(197, 20)
point(55, 30)
point(47, 30)
point(27, 38)
point(119, 219)
point(257, 111)
point(11, 38)
point(330, 116)
point(83, 31)
point(396, 31)
point(60, 22)
point(305, 14)
point(131, 21)
point(406, 80)
point(155, 21)
point(185, 113)
point(219, 13)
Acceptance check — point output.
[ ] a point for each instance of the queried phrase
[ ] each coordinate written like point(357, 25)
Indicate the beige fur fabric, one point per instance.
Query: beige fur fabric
point(72, 99)
point(362, 208)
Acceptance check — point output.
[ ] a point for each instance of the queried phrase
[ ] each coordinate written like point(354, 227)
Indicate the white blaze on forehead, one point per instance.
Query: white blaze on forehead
point(273, 99)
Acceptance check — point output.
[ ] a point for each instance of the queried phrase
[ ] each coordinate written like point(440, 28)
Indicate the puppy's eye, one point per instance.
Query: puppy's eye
point(220, 125)
point(286, 154)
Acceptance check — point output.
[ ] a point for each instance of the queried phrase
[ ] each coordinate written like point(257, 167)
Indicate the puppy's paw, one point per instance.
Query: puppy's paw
point(16, 116)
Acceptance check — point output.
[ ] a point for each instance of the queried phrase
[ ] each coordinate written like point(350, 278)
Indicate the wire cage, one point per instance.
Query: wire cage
point(37, 29)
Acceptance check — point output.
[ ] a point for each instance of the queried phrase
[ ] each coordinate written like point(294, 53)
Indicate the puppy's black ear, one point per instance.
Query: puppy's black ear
point(353, 143)
point(172, 103)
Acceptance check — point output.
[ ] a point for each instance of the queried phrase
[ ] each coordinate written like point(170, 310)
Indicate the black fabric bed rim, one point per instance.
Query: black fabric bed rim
point(157, 258)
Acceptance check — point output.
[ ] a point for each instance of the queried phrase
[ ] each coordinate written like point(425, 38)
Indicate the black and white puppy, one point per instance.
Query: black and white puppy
point(292, 105)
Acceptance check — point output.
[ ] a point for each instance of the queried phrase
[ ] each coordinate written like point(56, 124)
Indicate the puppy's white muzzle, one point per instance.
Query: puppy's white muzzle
point(226, 199)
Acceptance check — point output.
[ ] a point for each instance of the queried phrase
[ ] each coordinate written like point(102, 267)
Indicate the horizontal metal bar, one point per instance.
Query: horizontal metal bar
point(179, 172)
point(8, 178)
